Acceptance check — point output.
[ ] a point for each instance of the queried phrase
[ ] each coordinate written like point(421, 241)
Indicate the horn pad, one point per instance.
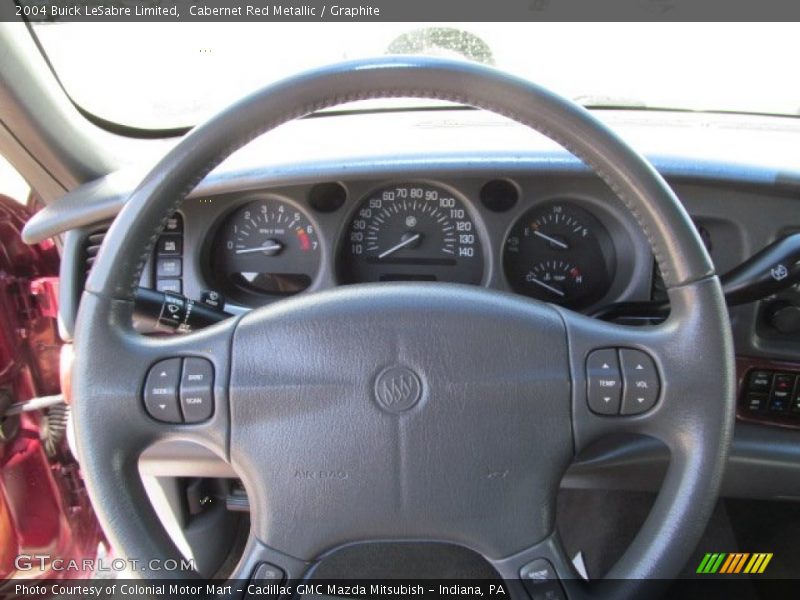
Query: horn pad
point(427, 411)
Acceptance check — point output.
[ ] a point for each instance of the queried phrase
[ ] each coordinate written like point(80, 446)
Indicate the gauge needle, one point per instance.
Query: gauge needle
point(406, 242)
point(273, 247)
point(555, 290)
point(552, 240)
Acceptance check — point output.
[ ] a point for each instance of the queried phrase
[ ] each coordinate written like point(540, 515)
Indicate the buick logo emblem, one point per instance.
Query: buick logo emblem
point(397, 389)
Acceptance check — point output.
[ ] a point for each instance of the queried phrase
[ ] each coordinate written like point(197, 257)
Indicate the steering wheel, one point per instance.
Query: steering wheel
point(400, 434)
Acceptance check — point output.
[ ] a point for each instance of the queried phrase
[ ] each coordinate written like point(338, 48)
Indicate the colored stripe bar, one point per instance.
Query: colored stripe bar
point(715, 567)
point(740, 563)
point(755, 562)
point(727, 564)
point(764, 564)
point(703, 563)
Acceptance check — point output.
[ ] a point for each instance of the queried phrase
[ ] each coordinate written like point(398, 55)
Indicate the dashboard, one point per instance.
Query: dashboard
point(565, 242)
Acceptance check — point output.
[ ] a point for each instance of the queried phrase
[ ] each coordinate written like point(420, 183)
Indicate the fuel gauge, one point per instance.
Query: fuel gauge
point(559, 252)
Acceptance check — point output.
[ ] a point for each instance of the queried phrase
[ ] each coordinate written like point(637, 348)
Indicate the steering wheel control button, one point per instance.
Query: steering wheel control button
point(397, 389)
point(541, 580)
point(196, 391)
point(604, 382)
point(266, 575)
point(640, 379)
point(161, 391)
point(266, 572)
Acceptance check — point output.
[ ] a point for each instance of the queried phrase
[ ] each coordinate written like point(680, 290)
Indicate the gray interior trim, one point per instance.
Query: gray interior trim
point(35, 109)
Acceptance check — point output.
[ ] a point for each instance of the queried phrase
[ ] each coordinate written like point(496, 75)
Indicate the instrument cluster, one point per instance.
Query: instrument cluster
point(267, 245)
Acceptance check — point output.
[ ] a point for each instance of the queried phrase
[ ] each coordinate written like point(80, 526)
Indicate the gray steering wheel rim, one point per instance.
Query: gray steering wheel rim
point(676, 245)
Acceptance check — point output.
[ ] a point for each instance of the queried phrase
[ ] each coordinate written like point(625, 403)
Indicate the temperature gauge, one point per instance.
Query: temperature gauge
point(560, 253)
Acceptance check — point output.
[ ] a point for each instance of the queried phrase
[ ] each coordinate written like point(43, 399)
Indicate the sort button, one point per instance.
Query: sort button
point(604, 382)
point(640, 381)
point(161, 391)
point(197, 385)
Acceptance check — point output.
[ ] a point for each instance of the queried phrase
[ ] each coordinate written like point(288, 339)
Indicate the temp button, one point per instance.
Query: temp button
point(197, 390)
point(604, 382)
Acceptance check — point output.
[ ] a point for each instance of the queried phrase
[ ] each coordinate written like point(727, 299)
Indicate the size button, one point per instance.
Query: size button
point(161, 391)
point(604, 382)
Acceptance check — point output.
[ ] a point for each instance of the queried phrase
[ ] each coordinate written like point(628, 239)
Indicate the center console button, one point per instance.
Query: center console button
point(759, 381)
point(780, 397)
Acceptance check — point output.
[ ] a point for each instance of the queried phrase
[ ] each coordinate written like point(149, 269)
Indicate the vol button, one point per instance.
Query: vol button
point(641, 382)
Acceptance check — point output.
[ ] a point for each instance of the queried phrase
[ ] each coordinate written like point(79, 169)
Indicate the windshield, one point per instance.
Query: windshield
point(164, 75)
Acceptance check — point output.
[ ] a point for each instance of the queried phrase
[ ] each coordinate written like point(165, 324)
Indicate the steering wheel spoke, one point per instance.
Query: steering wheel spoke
point(111, 377)
point(655, 381)
point(160, 388)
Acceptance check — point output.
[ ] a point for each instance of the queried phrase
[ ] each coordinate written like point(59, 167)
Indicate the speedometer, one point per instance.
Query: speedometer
point(411, 232)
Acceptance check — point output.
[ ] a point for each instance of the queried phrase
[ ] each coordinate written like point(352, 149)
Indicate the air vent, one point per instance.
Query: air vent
point(91, 247)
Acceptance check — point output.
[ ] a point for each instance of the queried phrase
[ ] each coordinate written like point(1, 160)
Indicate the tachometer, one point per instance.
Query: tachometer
point(411, 232)
point(560, 253)
point(266, 248)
